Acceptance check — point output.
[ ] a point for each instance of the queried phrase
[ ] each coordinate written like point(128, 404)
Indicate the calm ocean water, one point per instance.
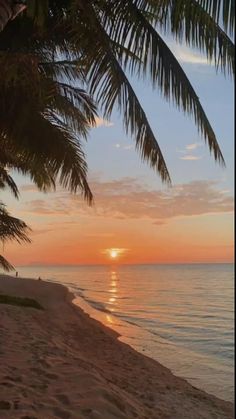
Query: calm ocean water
point(180, 315)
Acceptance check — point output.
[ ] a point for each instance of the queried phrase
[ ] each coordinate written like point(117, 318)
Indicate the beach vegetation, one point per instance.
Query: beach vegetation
point(19, 301)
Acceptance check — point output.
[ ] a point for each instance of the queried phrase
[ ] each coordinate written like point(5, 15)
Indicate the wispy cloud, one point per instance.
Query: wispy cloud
point(128, 199)
point(124, 147)
point(191, 157)
point(186, 55)
point(193, 146)
point(190, 148)
point(100, 122)
point(191, 58)
point(29, 188)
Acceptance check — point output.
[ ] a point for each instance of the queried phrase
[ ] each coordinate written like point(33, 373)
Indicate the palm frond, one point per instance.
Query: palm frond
point(54, 148)
point(62, 113)
point(190, 20)
point(6, 266)
point(157, 59)
point(221, 10)
point(70, 69)
point(7, 180)
point(60, 46)
point(75, 106)
point(111, 86)
point(12, 228)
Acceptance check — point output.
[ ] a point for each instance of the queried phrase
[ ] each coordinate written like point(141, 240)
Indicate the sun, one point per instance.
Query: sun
point(113, 253)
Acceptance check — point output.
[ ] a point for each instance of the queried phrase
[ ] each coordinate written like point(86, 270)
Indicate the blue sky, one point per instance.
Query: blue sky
point(110, 151)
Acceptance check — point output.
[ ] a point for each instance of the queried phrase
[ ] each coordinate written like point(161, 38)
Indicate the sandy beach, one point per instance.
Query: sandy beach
point(60, 363)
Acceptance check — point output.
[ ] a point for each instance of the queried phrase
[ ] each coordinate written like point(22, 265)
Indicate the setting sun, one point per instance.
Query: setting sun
point(113, 253)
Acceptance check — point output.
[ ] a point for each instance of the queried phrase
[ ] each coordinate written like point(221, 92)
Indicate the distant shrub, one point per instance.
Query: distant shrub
point(19, 301)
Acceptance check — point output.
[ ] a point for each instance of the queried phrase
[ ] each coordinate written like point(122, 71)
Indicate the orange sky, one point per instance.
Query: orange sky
point(189, 223)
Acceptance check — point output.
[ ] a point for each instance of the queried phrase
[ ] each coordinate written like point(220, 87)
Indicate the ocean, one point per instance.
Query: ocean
point(180, 315)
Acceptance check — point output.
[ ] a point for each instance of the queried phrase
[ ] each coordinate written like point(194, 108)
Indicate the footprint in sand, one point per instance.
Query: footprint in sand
point(60, 413)
point(42, 372)
point(16, 379)
point(5, 405)
point(5, 384)
point(51, 376)
point(37, 370)
point(16, 404)
point(63, 399)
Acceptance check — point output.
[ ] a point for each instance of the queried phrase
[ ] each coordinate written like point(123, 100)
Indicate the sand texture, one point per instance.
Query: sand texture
point(60, 363)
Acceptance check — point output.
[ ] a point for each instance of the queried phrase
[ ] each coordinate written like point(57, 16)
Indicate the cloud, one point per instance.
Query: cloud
point(29, 188)
point(190, 147)
point(42, 207)
point(193, 146)
point(192, 58)
point(99, 235)
point(100, 122)
point(186, 55)
point(124, 147)
point(37, 231)
point(129, 199)
point(191, 157)
point(128, 147)
point(225, 191)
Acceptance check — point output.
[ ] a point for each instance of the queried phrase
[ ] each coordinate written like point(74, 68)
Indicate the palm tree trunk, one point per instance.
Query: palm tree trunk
point(9, 9)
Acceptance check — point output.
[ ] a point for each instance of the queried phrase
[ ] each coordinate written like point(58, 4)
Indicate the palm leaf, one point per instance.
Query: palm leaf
point(62, 114)
point(221, 10)
point(190, 20)
point(6, 266)
point(7, 180)
point(12, 228)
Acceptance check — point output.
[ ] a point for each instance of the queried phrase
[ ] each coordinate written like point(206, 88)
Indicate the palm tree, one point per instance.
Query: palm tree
point(115, 38)
point(56, 46)
point(11, 228)
point(9, 10)
point(42, 122)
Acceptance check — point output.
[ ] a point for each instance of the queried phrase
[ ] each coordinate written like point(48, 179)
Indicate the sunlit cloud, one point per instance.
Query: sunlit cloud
point(100, 122)
point(190, 157)
point(124, 147)
point(28, 188)
point(191, 58)
point(225, 191)
point(129, 199)
point(99, 235)
point(190, 148)
point(186, 55)
point(193, 146)
point(128, 147)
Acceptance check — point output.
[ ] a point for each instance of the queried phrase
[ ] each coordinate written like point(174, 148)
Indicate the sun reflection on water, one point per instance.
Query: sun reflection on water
point(113, 290)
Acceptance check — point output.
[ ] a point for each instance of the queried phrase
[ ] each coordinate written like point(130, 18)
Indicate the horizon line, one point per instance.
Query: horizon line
point(120, 264)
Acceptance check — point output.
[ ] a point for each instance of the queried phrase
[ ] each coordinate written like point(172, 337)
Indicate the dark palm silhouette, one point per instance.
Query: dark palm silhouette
point(59, 58)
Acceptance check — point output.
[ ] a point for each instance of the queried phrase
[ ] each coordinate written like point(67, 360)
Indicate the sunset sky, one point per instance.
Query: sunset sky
point(134, 212)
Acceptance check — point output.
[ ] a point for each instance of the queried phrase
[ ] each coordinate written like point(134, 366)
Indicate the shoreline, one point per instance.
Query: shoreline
point(61, 363)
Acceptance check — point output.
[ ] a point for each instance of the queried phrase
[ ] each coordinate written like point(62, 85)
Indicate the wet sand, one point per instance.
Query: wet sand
point(60, 363)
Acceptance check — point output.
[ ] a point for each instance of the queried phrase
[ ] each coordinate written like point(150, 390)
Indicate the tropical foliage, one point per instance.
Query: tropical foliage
point(11, 229)
point(60, 58)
